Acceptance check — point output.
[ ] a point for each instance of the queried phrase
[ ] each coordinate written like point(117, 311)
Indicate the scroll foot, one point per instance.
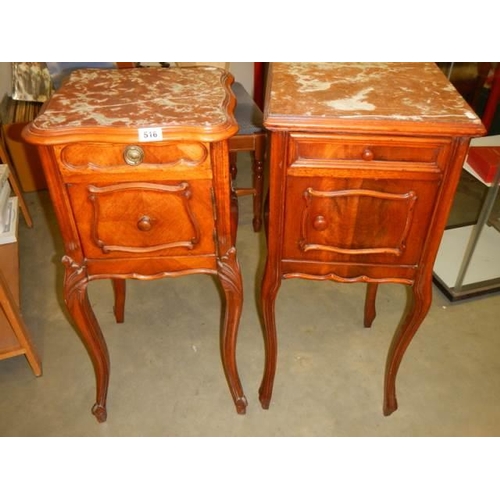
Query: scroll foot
point(265, 401)
point(390, 406)
point(100, 413)
point(241, 405)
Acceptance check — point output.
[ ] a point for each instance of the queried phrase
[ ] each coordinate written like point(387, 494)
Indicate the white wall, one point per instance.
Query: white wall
point(243, 73)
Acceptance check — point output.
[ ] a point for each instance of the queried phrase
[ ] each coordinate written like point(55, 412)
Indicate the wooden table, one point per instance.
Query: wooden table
point(137, 167)
point(364, 163)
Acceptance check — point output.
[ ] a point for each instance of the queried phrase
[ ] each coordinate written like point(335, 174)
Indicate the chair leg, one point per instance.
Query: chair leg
point(234, 216)
point(233, 167)
point(119, 289)
point(370, 311)
point(258, 186)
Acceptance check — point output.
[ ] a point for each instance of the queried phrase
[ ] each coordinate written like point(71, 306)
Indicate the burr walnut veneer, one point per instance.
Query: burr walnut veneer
point(137, 166)
point(364, 163)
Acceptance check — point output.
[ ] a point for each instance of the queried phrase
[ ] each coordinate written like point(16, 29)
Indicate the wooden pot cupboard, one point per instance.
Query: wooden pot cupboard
point(364, 163)
point(137, 166)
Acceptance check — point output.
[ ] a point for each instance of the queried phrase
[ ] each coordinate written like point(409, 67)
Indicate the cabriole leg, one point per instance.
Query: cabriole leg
point(230, 277)
point(77, 301)
point(420, 302)
point(270, 286)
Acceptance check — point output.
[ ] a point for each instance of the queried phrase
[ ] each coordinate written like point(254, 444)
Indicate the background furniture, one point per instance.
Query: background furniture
point(467, 264)
point(14, 182)
point(15, 339)
point(364, 163)
point(259, 82)
point(30, 87)
point(479, 84)
point(251, 136)
point(137, 166)
point(493, 98)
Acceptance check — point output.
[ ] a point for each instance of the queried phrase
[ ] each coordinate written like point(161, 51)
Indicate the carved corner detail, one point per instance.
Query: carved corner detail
point(229, 272)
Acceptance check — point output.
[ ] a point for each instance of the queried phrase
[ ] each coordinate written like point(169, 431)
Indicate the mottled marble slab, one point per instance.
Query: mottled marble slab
point(194, 100)
point(316, 94)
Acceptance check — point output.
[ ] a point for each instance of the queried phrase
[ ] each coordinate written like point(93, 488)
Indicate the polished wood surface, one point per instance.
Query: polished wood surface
point(137, 166)
point(364, 163)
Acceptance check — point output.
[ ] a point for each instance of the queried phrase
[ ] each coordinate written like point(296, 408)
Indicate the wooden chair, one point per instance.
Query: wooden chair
point(251, 138)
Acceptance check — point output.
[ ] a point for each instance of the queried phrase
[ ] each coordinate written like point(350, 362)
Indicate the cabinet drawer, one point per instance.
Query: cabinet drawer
point(144, 218)
point(357, 221)
point(180, 158)
point(365, 151)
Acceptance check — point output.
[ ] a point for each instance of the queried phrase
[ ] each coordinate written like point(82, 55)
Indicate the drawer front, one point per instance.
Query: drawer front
point(144, 218)
point(186, 159)
point(357, 221)
point(367, 151)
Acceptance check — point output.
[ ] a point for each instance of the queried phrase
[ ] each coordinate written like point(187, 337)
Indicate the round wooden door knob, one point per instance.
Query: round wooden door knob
point(144, 223)
point(320, 223)
point(368, 154)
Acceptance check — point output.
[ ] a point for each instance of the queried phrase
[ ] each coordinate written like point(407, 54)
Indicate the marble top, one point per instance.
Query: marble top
point(194, 101)
point(316, 95)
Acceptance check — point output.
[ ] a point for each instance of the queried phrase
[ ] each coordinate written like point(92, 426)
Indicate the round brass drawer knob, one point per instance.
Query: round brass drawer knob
point(367, 154)
point(144, 223)
point(133, 155)
point(320, 223)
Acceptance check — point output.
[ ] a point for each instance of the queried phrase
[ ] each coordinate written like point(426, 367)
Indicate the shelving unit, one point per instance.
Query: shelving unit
point(467, 263)
point(15, 339)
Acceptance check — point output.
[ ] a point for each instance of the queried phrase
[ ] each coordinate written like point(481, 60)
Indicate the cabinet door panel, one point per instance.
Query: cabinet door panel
point(144, 218)
point(352, 220)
